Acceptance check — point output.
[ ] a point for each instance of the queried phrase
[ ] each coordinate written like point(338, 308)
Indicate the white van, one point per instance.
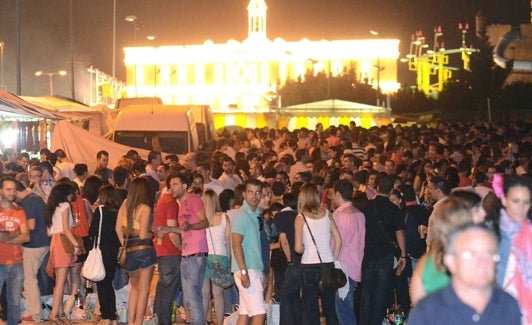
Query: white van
point(204, 122)
point(168, 128)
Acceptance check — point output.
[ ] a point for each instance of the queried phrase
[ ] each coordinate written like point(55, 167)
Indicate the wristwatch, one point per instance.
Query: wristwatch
point(244, 272)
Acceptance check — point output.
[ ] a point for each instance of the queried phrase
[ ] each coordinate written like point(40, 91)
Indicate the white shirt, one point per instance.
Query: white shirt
point(321, 230)
point(216, 236)
point(57, 218)
point(229, 182)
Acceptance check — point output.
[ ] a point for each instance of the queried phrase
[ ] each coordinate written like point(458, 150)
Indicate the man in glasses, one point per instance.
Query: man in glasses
point(246, 261)
point(471, 297)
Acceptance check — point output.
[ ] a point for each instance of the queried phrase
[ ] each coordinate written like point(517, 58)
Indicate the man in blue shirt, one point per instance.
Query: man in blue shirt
point(246, 261)
point(34, 251)
point(471, 296)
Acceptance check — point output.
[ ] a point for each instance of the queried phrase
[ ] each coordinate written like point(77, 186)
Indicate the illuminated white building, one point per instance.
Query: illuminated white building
point(242, 76)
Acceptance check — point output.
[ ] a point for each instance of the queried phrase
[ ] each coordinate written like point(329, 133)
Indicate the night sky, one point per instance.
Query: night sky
point(45, 39)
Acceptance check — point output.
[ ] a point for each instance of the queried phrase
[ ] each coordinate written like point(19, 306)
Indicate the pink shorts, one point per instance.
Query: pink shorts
point(58, 256)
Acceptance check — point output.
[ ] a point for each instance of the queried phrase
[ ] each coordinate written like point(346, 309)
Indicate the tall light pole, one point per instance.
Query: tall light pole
point(114, 39)
point(2, 85)
point(133, 19)
point(50, 76)
point(72, 74)
point(378, 67)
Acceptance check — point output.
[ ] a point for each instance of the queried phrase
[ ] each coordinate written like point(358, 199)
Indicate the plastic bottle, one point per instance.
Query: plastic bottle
point(174, 311)
point(399, 316)
point(78, 300)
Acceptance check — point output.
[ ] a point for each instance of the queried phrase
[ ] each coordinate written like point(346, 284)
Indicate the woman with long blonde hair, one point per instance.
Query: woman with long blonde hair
point(218, 239)
point(315, 219)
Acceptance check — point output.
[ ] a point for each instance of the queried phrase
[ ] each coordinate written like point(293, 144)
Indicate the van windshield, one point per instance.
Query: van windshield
point(167, 141)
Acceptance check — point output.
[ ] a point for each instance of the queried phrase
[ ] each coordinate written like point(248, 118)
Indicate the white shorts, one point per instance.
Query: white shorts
point(251, 298)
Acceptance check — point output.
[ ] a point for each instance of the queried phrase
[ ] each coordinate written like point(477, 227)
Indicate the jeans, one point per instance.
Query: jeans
point(167, 287)
point(13, 276)
point(230, 298)
point(192, 273)
point(33, 259)
point(345, 308)
point(290, 295)
point(376, 289)
point(140, 259)
point(309, 297)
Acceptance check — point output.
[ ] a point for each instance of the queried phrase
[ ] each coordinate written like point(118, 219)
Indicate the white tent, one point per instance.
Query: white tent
point(332, 112)
point(333, 107)
point(81, 146)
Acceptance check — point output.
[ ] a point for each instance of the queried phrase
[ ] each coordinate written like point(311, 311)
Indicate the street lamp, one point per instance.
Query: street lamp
point(133, 19)
point(378, 67)
point(50, 75)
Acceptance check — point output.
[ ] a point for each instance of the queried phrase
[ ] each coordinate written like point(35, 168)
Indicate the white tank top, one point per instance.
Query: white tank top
point(218, 238)
point(321, 229)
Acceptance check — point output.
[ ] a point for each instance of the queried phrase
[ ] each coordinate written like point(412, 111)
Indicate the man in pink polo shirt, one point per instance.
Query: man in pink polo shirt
point(192, 221)
point(352, 226)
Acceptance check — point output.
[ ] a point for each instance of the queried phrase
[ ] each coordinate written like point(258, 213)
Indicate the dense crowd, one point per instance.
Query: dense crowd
point(425, 223)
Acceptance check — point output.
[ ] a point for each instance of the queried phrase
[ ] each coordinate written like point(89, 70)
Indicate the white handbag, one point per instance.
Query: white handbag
point(93, 268)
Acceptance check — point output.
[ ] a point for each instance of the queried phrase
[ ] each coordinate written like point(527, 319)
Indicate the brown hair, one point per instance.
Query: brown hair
point(448, 216)
point(138, 194)
point(109, 197)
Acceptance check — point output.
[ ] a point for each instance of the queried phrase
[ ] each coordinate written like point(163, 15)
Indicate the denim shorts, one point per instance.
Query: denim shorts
point(140, 259)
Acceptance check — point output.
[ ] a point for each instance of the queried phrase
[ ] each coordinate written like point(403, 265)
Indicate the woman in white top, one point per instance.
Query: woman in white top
point(218, 239)
point(323, 229)
point(58, 217)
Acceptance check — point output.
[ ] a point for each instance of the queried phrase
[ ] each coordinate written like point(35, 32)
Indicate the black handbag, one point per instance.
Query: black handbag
point(331, 278)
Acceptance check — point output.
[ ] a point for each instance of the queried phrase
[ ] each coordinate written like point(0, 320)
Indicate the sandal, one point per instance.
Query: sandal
point(55, 320)
point(59, 320)
point(64, 320)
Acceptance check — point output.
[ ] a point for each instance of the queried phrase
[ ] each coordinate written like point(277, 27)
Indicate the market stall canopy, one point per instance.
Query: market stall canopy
point(87, 117)
point(14, 107)
point(56, 103)
point(332, 107)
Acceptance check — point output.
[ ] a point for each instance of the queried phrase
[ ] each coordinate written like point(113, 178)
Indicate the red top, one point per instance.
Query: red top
point(78, 206)
point(167, 209)
point(11, 220)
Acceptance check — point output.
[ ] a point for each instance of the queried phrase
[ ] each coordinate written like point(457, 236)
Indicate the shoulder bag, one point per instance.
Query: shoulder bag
point(331, 278)
point(93, 268)
point(220, 274)
point(121, 258)
point(69, 247)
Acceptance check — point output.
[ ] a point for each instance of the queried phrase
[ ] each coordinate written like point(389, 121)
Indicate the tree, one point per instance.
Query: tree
point(466, 96)
point(321, 86)
point(408, 100)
